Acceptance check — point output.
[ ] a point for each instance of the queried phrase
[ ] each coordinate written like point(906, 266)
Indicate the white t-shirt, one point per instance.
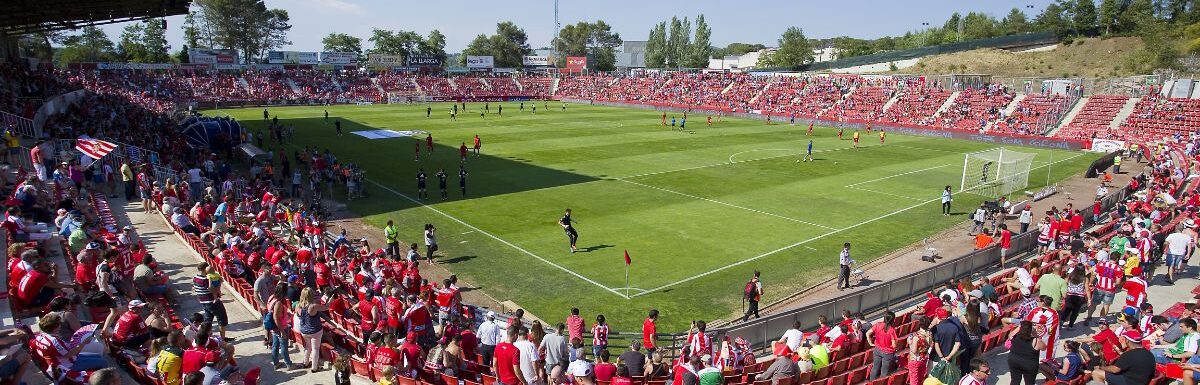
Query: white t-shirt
point(529, 355)
point(793, 338)
point(579, 368)
point(1177, 243)
point(193, 175)
point(1024, 277)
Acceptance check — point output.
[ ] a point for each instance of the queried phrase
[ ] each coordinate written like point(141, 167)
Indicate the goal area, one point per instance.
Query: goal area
point(996, 172)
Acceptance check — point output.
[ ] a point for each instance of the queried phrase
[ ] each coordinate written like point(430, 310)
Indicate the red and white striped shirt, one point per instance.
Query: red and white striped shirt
point(600, 335)
point(1108, 273)
point(1135, 291)
point(700, 344)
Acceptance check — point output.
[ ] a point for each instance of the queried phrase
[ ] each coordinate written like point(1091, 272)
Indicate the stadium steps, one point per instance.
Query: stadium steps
point(946, 106)
point(728, 87)
point(554, 86)
point(895, 98)
point(1007, 111)
point(1124, 114)
point(1195, 93)
point(1070, 116)
point(292, 85)
point(243, 83)
point(760, 92)
point(453, 85)
point(520, 86)
point(839, 102)
point(486, 85)
point(338, 84)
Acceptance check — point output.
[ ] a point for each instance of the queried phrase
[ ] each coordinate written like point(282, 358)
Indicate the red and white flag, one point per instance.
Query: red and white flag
point(94, 148)
point(627, 260)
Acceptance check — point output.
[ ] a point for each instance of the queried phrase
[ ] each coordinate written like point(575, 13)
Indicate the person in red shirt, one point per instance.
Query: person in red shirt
point(1005, 243)
point(462, 151)
point(368, 312)
point(324, 273)
point(429, 142)
point(469, 343)
point(38, 286)
point(478, 144)
point(393, 309)
point(387, 356)
point(416, 317)
point(507, 360)
point(882, 337)
point(574, 325)
point(413, 356)
point(131, 330)
point(604, 370)
point(650, 328)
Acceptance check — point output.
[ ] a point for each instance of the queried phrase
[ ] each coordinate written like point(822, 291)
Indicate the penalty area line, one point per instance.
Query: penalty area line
point(498, 239)
point(726, 204)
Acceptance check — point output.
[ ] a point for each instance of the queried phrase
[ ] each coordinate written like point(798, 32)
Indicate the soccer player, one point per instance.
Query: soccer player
point(500, 109)
point(710, 120)
point(810, 128)
point(808, 154)
point(417, 151)
point(481, 114)
point(462, 179)
point(462, 151)
point(487, 107)
point(565, 222)
point(672, 122)
point(768, 119)
point(882, 136)
point(683, 122)
point(428, 110)
point(441, 175)
point(522, 107)
point(477, 145)
point(841, 130)
point(564, 106)
point(421, 194)
point(868, 127)
point(266, 115)
point(535, 108)
point(429, 143)
point(792, 119)
point(855, 138)
point(664, 119)
point(337, 124)
point(454, 114)
point(327, 115)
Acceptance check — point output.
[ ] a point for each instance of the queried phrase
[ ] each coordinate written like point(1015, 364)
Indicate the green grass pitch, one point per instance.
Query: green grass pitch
point(698, 211)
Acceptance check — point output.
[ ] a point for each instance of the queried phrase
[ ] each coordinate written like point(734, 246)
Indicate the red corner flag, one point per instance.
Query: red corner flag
point(627, 260)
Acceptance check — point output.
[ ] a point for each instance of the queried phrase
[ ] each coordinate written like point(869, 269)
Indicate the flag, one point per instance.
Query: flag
point(627, 260)
point(94, 148)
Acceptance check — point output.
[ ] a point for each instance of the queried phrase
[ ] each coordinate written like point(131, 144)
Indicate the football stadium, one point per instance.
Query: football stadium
point(306, 192)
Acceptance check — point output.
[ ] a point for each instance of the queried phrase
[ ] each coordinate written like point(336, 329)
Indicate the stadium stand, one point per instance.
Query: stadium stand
point(1033, 115)
point(975, 108)
point(1156, 116)
point(916, 105)
point(1094, 120)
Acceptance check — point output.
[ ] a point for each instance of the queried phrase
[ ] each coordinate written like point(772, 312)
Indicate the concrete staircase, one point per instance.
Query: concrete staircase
point(946, 106)
point(292, 84)
point(1070, 116)
point(761, 91)
point(727, 88)
point(453, 85)
point(1007, 111)
point(554, 86)
point(243, 83)
point(486, 85)
point(895, 98)
point(1124, 114)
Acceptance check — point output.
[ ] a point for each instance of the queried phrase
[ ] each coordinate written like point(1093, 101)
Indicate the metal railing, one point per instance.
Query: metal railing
point(20, 125)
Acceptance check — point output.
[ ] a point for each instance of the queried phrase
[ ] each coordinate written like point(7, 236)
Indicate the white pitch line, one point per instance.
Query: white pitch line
point(806, 241)
point(781, 249)
point(810, 247)
point(798, 152)
point(926, 149)
point(761, 149)
point(900, 174)
point(884, 193)
point(726, 204)
point(498, 239)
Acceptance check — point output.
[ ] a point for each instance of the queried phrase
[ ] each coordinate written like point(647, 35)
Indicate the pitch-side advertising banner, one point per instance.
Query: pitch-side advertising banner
point(535, 61)
point(1107, 145)
point(480, 62)
point(212, 56)
point(338, 57)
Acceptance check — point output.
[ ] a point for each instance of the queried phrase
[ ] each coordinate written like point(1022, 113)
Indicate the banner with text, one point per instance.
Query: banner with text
point(535, 61)
point(291, 57)
point(480, 62)
point(338, 57)
point(212, 56)
point(384, 60)
point(423, 61)
point(1107, 145)
point(134, 66)
point(576, 63)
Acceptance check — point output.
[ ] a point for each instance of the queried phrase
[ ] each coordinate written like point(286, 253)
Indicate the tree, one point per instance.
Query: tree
point(1014, 23)
point(1052, 19)
point(700, 50)
point(435, 45)
point(656, 46)
point(584, 38)
point(90, 45)
point(978, 25)
point(1138, 15)
point(1109, 9)
point(950, 28)
point(40, 44)
point(246, 25)
point(129, 46)
point(481, 46)
point(154, 37)
point(509, 44)
point(1083, 17)
point(182, 56)
point(677, 41)
point(400, 43)
point(340, 42)
point(794, 50)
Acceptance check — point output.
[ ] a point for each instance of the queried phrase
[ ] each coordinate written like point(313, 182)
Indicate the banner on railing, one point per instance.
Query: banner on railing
point(481, 62)
point(338, 57)
point(1107, 145)
point(212, 56)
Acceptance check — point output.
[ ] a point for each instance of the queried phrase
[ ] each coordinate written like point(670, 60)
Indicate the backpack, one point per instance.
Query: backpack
point(750, 291)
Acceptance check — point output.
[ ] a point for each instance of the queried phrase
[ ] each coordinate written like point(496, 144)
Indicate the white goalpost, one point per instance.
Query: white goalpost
point(996, 172)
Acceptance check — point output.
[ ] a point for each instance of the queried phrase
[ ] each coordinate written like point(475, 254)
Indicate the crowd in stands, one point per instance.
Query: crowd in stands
point(1033, 115)
point(1096, 118)
point(368, 311)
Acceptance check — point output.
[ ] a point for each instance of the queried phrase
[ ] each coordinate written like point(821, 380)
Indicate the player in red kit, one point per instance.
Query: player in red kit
point(478, 144)
point(429, 142)
point(664, 119)
point(462, 151)
point(710, 120)
point(810, 128)
point(417, 151)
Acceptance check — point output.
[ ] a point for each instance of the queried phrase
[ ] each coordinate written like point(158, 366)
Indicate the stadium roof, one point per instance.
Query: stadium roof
point(19, 17)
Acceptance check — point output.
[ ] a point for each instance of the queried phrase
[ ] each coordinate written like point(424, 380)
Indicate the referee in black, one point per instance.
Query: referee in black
point(845, 262)
point(572, 235)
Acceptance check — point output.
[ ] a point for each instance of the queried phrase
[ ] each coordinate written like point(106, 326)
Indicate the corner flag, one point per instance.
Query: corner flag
point(627, 260)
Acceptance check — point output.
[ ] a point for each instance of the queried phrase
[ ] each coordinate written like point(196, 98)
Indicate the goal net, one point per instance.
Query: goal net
point(996, 172)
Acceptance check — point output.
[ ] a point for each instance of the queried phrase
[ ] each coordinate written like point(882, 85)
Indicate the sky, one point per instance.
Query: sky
point(746, 21)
